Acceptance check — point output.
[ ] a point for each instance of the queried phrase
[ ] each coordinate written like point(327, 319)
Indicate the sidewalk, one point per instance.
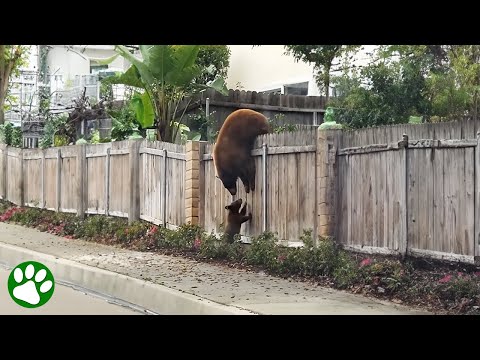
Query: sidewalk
point(189, 286)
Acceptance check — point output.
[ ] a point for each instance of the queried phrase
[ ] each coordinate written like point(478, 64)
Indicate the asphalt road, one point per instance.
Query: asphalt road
point(64, 301)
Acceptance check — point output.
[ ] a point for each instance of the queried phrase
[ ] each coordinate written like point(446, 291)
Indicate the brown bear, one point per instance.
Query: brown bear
point(235, 219)
point(232, 152)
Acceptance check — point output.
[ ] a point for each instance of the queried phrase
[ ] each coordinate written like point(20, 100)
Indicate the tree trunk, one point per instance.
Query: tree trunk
point(2, 103)
point(327, 84)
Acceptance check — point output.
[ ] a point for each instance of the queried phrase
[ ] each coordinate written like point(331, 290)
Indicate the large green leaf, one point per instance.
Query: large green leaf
point(218, 84)
point(142, 68)
point(103, 61)
point(183, 78)
point(144, 112)
point(131, 78)
point(185, 56)
point(184, 69)
point(161, 61)
point(145, 51)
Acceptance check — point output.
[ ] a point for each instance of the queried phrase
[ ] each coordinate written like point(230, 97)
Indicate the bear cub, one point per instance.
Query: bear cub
point(235, 219)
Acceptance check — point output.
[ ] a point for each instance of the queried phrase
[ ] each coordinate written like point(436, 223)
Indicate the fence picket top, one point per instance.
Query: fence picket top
point(120, 145)
point(97, 148)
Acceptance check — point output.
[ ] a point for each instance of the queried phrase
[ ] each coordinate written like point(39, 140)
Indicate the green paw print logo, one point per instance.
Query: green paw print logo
point(31, 284)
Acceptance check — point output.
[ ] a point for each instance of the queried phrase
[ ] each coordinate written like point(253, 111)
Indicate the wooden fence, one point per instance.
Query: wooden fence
point(402, 196)
point(136, 179)
point(417, 197)
point(297, 109)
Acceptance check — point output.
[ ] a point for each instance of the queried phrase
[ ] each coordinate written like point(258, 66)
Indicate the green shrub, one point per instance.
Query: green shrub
point(52, 126)
point(455, 288)
point(10, 135)
point(264, 251)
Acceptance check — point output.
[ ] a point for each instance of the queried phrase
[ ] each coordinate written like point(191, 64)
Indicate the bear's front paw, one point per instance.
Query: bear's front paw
point(250, 215)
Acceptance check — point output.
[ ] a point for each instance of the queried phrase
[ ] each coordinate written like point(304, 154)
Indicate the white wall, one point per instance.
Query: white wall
point(67, 63)
point(72, 63)
point(119, 62)
point(32, 60)
point(265, 67)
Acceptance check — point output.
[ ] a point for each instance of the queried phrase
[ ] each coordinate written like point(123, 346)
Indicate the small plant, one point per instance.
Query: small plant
point(52, 126)
point(281, 128)
point(389, 275)
point(95, 138)
point(346, 272)
point(10, 135)
point(124, 123)
point(203, 125)
point(10, 213)
point(264, 251)
point(134, 232)
point(211, 247)
point(457, 287)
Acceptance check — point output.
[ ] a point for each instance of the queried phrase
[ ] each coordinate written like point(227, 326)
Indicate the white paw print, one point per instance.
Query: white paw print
point(28, 291)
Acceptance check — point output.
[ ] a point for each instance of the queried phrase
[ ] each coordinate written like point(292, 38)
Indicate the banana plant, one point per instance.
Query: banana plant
point(165, 77)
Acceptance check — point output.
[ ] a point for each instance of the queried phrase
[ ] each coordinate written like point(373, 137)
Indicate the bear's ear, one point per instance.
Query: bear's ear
point(227, 207)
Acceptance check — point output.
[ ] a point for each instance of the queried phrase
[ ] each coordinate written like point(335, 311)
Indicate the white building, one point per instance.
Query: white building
point(70, 61)
point(267, 68)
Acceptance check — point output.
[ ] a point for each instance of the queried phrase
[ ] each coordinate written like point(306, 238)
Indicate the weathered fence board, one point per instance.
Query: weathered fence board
point(15, 175)
point(68, 179)
point(97, 175)
point(119, 179)
point(33, 177)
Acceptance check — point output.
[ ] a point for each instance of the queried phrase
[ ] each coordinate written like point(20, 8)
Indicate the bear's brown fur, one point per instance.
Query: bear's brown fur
point(235, 219)
point(232, 152)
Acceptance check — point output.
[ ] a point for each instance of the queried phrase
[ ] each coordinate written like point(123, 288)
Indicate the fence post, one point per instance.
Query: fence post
point(192, 182)
point(43, 203)
point(476, 241)
point(134, 207)
point(326, 182)
point(4, 170)
point(82, 193)
point(404, 245)
point(59, 179)
point(164, 189)
point(107, 182)
point(264, 187)
point(21, 184)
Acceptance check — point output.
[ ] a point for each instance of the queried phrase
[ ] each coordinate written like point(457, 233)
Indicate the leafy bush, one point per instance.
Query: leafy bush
point(10, 134)
point(457, 287)
point(264, 251)
point(276, 128)
point(52, 126)
point(124, 123)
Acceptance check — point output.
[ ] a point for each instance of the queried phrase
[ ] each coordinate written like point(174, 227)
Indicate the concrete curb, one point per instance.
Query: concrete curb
point(157, 298)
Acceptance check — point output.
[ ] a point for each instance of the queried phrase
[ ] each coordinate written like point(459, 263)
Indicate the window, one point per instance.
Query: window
point(296, 89)
point(273, 91)
point(96, 68)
